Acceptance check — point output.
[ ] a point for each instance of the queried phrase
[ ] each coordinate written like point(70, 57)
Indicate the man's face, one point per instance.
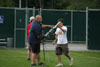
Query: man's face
point(39, 19)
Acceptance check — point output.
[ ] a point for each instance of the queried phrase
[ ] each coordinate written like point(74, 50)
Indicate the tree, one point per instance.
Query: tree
point(53, 4)
point(82, 4)
point(9, 3)
point(6, 3)
point(62, 4)
point(1, 3)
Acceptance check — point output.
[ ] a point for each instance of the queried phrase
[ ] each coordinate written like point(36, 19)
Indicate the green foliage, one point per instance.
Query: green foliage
point(77, 4)
point(54, 4)
point(6, 3)
point(1, 3)
point(82, 4)
point(9, 3)
point(62, 4)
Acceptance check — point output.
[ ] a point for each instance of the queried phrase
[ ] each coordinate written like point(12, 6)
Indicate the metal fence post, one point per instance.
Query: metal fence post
point(87, 27)
point(15, 28)
point(26, 17)
point(34, 11)
point(40, 11)
point(71, 26)
point(20, 3)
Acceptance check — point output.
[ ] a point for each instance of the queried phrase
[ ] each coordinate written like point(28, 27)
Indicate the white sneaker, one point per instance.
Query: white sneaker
point(59, 65)
point(71, 61)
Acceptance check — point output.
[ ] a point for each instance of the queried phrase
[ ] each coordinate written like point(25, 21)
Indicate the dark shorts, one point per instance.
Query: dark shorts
point(62, 48)
point(28, 44)
point(35, 48)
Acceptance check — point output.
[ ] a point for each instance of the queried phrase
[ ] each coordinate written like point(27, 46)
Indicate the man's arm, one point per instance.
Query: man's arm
point(46, 26)
point(64, 30)
point(38, 32)
point(56, 37)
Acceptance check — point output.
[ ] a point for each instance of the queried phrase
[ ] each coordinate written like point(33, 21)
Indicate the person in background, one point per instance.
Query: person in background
point(32, 18)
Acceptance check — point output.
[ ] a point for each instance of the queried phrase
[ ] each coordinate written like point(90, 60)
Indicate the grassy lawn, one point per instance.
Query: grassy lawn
point(18, 58)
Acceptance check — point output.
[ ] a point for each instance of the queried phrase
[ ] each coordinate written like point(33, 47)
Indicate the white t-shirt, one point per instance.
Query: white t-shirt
point(62, 36)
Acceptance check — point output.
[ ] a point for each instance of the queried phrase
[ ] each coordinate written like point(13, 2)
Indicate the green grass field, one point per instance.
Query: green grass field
point(18, 58)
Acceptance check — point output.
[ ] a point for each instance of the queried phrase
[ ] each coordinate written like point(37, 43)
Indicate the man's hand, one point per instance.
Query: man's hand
point(54, 42)
point(61, 28)
point(50, 26)
point(39, 36)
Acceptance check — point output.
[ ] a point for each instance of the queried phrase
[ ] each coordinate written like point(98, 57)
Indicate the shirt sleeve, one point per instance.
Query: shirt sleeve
point(28, 29)
point(56, 31)
point(65, 28)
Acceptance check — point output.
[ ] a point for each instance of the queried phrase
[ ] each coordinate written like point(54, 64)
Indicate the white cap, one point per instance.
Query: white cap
point(31, 18)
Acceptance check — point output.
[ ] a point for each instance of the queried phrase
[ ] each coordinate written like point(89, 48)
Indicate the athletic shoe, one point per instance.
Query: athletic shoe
point(59, 65)
point(33, 65)
point(71, 61)
point(41, 63)
point(28, 59)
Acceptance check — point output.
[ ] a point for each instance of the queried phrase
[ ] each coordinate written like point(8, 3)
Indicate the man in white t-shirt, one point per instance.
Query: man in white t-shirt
point(62, 42)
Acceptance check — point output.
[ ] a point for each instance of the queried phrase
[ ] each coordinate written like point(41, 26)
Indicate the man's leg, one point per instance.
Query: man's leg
point(66, 51)
point(70, 59)
point(59, 53)
point(29, 53)
point(68, 55)
point(59, 59)
point(33, 57)
point(38, 58)
point(34, 53)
